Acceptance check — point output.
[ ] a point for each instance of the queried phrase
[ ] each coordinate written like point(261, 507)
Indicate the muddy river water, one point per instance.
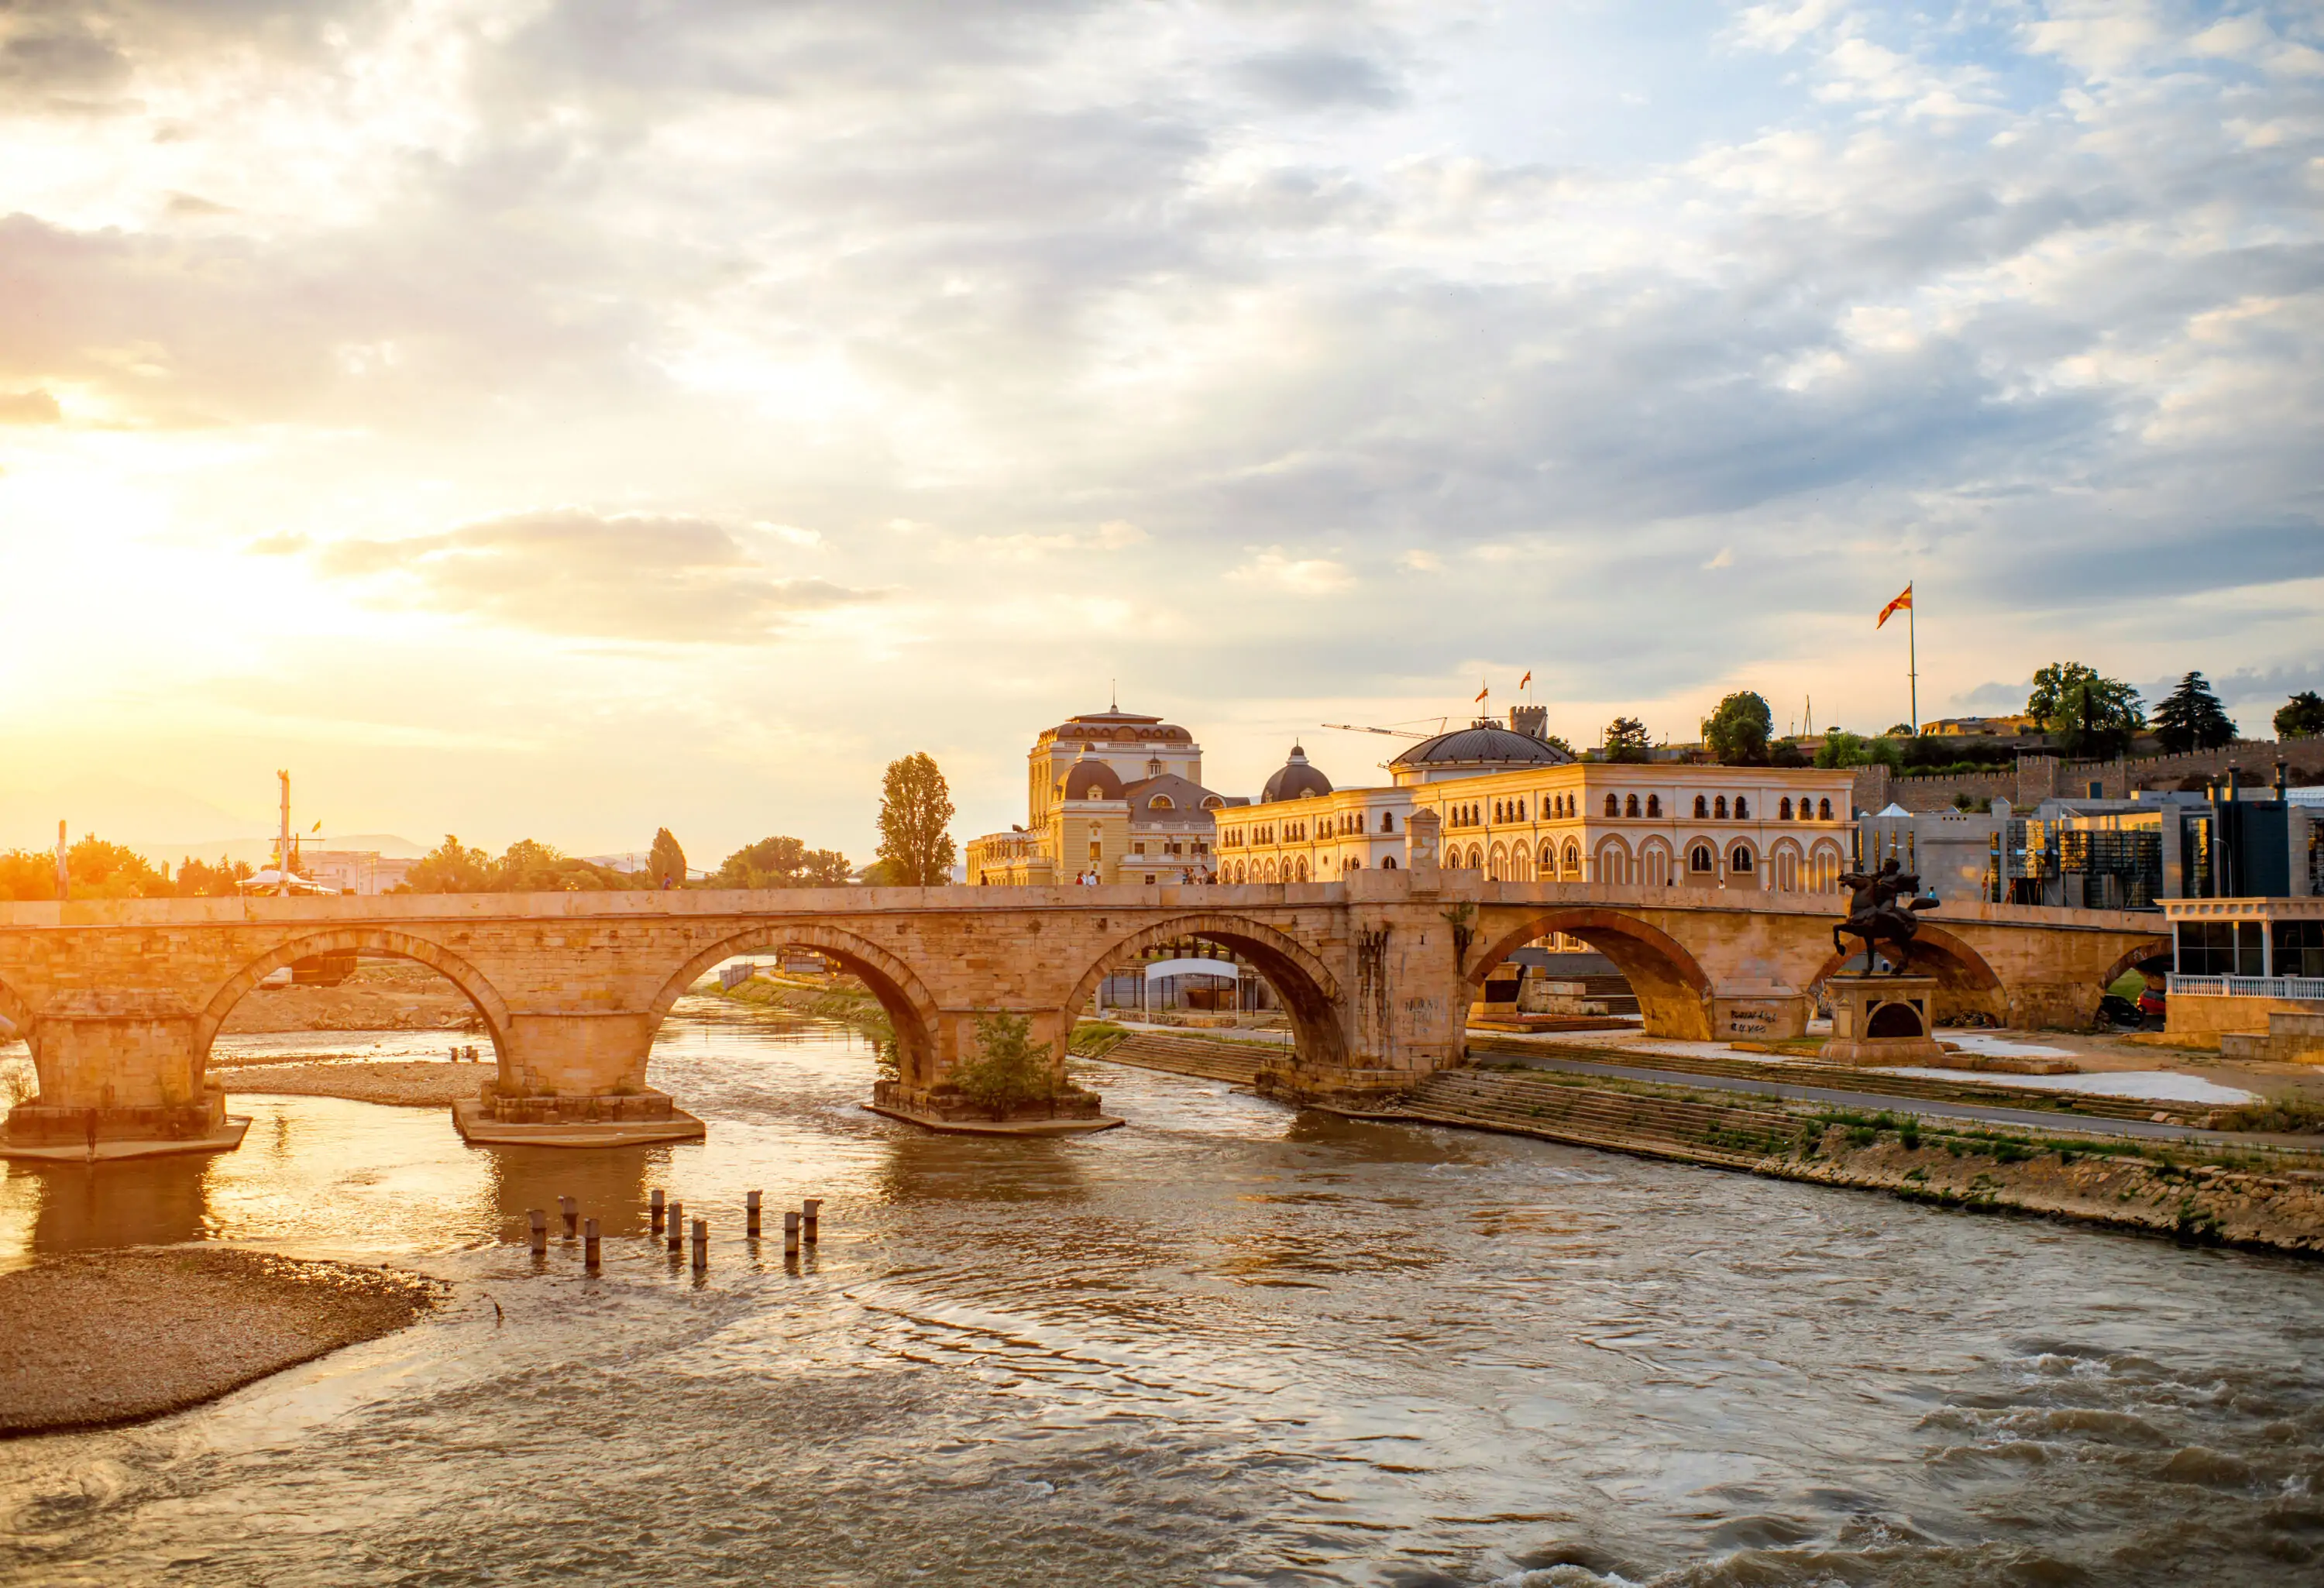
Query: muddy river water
point(1232, 1344)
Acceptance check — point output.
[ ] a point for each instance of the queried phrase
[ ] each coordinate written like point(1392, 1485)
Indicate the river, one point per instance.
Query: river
point(1232, 1344)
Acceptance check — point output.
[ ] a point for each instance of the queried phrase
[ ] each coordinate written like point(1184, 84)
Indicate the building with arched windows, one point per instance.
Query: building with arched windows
point(1111, 795)
point(1517, 809)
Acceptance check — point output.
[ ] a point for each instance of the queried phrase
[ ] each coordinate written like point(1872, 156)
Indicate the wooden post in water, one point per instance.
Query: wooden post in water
point(677, 1227)
point(657, 1205)
point(812, 1212)
point(751, 1200)
point(589, 1245)
point(539, 1218)
point(701, 1244)
point(572, 1212)
point(790, 1234)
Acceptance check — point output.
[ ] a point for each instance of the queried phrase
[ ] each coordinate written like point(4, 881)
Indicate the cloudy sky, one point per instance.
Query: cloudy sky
point(560, 420)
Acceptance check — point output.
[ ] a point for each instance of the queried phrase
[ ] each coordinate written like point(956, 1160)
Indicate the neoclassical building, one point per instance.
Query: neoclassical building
point(1517, 807)
point(1112, 794)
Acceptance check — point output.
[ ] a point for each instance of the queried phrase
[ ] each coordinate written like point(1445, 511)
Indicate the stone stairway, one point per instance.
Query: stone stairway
point(1593, 1116)
point(1208, 1057)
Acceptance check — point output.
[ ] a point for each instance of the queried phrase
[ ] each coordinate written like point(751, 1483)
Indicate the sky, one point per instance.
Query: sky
point(547, 421)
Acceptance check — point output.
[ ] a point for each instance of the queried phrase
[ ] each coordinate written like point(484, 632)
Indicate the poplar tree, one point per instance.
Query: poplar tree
point(915, 847)
point(666, 861)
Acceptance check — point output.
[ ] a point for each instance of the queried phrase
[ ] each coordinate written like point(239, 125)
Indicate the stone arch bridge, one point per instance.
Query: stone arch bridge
point(120, 1000)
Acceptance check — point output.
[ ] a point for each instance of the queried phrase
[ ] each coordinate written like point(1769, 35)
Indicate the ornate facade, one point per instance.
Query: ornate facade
point(1519, 809)
point(1112, 797)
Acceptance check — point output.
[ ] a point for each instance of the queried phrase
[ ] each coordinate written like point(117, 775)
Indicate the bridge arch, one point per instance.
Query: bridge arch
point(2139, 958)
point(1673, 990)
point(481, 994)
point(1310, 993)
point(1966, 983)
point(17, 1022)
point(911, 1011)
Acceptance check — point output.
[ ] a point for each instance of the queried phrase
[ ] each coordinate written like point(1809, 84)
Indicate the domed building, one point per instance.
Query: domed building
point(1110, 795)
point(1295, 780)
point(1483, 746)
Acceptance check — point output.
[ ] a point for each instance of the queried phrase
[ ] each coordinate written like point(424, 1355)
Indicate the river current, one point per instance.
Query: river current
point(1232, 1344)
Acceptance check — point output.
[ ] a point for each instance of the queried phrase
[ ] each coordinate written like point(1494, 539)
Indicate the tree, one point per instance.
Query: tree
point(2191, 718)
point(196, 880)
point(27, 873)
point(1899, 730)
point(1010, 1067)
point(100, 869)
point(451, 867)
point(783, 862)
point(666, 861)
point(771, 863)
point(1737, 732)
point(1842, 749)
point(2089, 714)
point(914, 821)
point(825, 868)
point(2301, 716)
point(1625, 740)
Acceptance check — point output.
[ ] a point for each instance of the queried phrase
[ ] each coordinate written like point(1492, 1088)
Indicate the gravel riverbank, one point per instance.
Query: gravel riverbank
point(110, 1336)
point(415, 1085)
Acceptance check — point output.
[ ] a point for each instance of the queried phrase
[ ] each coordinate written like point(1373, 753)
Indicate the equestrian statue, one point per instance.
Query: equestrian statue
point(1881, 909)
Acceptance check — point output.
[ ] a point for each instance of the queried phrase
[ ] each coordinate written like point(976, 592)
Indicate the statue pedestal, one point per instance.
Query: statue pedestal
point(1882, 1020)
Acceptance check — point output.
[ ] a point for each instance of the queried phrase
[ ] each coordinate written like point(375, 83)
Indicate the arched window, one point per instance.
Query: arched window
point(1303, 868)
point(1654, 805)
point(1153, 769)
point(1630, 806)
point(1702, 807)
point(1573, 858)
point(1268, 875)
point(1475, 858)
point(1160, 802)
point(1742, 808)
point(1388, 865)
point(1355, 865)
point(1387, 821)
point(1823, 810)
point(1783, 809)
point(1498, 810)
point(1788, 867)
point(1700, 859)
point(1548, 859)
point(1719, 809)
point(1613, 861)
point(1611, 810)
point(1655, 866)
point(1739, 859)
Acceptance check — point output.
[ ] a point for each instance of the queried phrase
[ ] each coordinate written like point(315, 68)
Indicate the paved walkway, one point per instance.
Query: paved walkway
point(1923, 1107)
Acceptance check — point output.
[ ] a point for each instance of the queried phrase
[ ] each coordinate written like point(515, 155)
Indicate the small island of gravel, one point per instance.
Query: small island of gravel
point(111, 1336)
point(407, 1084)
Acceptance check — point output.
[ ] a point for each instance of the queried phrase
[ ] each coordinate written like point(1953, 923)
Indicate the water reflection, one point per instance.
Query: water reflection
point(81, 1207)
point(1229, 1344)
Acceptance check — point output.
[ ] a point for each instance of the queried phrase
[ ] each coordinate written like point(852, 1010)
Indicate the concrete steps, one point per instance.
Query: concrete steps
point(1209, 1058)
point(1593, 1116)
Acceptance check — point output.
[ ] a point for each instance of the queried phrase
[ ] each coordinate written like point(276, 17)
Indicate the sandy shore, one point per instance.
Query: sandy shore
point(110, 1336)
point(419, 1085)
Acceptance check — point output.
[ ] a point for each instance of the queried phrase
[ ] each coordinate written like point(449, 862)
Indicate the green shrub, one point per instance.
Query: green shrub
point(1010, 1067)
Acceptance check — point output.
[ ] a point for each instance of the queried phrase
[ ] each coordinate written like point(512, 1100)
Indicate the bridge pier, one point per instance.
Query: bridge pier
point(574, 1080)
point(120, 1077)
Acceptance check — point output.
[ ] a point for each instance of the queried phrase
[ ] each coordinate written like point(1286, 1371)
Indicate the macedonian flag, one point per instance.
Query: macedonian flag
point(1901, 604)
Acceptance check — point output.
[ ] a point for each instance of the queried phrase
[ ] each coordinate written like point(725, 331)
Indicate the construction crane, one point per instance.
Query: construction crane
point(1391, 732)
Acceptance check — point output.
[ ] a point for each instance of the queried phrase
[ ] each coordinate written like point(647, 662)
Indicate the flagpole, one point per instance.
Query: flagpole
point(1913, 658)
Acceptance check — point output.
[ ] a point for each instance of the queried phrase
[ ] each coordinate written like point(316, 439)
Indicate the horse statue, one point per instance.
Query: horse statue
point(1876, 915)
